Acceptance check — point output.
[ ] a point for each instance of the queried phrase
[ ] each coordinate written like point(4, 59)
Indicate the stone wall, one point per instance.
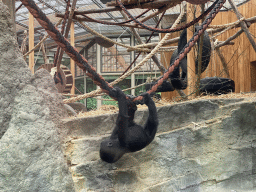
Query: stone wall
point(207, 145)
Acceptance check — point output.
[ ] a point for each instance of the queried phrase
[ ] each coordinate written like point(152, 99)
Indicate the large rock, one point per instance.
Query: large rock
point(31, 132)
point(14, 72)
point(200, 146)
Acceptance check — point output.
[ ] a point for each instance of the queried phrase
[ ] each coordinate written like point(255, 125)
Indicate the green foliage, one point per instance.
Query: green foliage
point(122, 85)
point(90, 86)
point(91, 103)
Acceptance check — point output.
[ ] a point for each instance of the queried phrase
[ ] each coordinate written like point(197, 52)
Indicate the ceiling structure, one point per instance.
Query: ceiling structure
point(51, 7)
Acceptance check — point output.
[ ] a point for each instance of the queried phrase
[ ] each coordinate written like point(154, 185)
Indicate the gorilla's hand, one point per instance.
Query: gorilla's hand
point(146, 98)
point(117, 93)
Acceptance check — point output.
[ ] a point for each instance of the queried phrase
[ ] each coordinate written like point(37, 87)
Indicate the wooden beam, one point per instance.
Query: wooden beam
point(31, 42)
point(191, 75)
point(72, 62)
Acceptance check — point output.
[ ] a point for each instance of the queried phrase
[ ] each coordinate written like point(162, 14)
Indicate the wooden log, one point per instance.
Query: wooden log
point(229, 39)
point(243, 25)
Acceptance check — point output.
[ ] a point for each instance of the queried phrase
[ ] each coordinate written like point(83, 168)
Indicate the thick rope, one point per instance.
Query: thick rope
point(188, 46)
point(185, 50)
point(131, 48)
point(82, 62)
point(121, 78)
point(106, 38)
point(62, 32)
point(66, 46)
point(152, 33)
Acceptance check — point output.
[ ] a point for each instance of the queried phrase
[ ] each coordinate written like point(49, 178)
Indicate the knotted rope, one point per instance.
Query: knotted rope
point(91, 71)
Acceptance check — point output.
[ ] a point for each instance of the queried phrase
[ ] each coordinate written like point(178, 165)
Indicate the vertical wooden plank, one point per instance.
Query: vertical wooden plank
point(72, 62)
point(31, 42)
point(191, 55)
point(98, 70)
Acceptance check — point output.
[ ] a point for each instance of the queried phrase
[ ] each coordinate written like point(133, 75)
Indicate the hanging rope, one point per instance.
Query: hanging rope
point(65, 45)
point(62, 32)
point(185, 50)
point(188, 46)
point(121, 78)
point(82, 62)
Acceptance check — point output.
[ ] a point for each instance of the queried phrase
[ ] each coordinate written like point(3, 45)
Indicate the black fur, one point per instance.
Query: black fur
point(127, 136)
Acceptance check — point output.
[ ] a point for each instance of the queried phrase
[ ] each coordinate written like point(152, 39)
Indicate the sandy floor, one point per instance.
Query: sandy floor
point(107, 109)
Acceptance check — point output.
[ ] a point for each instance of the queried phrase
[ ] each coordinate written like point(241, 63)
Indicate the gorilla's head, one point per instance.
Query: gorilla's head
point(111, 150)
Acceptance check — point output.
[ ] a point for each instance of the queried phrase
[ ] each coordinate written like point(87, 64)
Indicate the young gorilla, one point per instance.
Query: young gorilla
point(127, 136)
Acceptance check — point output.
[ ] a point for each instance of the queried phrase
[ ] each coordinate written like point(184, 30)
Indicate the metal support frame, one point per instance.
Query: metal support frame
point(98, 70)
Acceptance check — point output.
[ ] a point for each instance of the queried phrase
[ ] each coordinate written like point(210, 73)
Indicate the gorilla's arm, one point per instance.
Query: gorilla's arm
point(122, 120)
point(152, 121)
